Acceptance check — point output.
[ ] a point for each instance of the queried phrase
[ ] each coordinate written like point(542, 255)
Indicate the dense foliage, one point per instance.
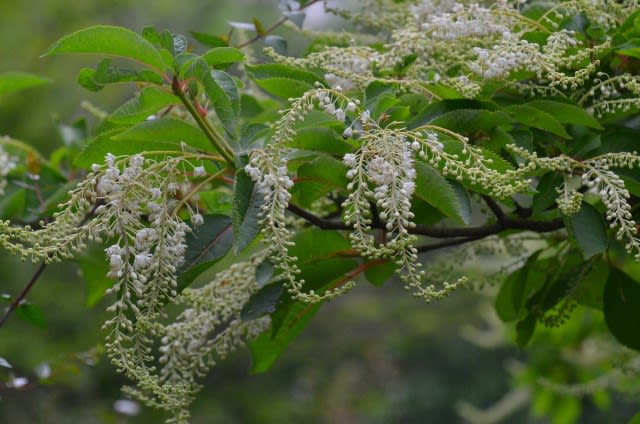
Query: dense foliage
point(232, 197)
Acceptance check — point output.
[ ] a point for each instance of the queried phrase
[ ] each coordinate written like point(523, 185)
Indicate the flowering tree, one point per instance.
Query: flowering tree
point(249, 193)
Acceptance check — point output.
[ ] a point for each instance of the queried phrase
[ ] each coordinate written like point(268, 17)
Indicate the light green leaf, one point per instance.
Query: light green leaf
point(15, 81)
point(588, 229)
point(98, 148)
point(168, 130)
point(223, 56)
point(321, 139)
point(150, 100)
point(434, 189)
point(110, 40)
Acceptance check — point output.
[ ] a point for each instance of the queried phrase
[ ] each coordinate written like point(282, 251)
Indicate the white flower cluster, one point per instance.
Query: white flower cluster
point(464, 22)
point(208, 329)
point(607, 185)
point(503, 58)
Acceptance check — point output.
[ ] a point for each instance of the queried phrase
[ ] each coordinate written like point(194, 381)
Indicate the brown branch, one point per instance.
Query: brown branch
point(273, 27)
point(505, 223)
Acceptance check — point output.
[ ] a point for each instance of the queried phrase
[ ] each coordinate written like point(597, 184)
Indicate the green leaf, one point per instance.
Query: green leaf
point(591, 291)
point(206, 245)
point(96, 79)
point(318, 177)
point(94, 270)
point(525, 329)
point(283, 81)
point(150, 100)
point(321, 139)
point(221, 90)
point(110, 40)
point(630, 48)
point(635, 419)
point(168, 130)
point(210, 40)
point(536, 118)
point(98, 148)
point(162, 39)
point(434, 189)
point(277, 43)
point(588, 229)
point(15, 81)
point(267, 348)
point(519, 286)
point(31, 314)
point(380, 273)
point(622, 308)
point(263, 302)
point(468, 121)
point(223, 56)
point(245, 211)
point(566, 113)
point(547, 194)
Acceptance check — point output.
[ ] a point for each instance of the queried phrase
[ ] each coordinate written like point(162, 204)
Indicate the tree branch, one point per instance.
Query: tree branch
point(505, 223)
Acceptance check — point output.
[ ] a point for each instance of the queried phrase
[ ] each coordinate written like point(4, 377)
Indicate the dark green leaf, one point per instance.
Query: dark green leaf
point(263, 302)
point(380, 273)
point(207, 244)
point(566, 113)
point(536, 118)
point(588, 229)
point(245, 211)
point(434, 189)
point(30, 313)
point(525, 329)
point(622, 308)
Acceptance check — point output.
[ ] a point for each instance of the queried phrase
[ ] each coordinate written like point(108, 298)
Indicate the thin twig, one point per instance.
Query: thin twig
point(36, 275)
point(20, 298)
point(273, 27)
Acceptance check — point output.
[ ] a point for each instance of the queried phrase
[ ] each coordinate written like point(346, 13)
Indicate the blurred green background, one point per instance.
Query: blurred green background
point(374, 356)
